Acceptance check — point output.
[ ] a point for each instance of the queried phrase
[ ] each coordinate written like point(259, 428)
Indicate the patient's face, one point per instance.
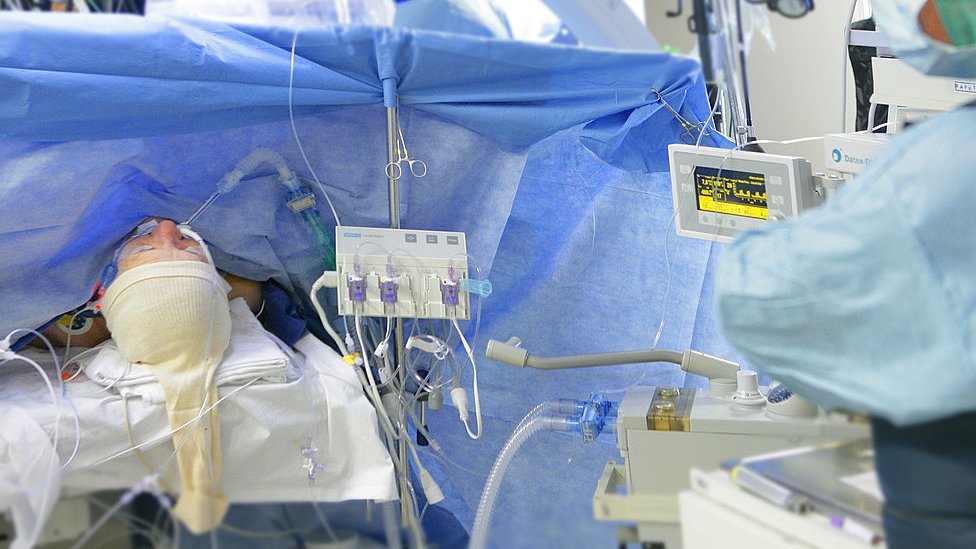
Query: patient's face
point(164, 242)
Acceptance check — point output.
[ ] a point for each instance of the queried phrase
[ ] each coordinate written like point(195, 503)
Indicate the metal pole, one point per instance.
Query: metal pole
point(740, 45)
point(702, 24)
point(392, 133)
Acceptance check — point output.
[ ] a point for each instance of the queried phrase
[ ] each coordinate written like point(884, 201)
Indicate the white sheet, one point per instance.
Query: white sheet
point(264, 428)
point(29, 479)
point(251, 354)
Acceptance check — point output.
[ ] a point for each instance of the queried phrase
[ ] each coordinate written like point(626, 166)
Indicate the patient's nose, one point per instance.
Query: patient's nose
point(166, 234)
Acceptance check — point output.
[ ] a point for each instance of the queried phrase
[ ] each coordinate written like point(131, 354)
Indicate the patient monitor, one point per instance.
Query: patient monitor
point(719, 193)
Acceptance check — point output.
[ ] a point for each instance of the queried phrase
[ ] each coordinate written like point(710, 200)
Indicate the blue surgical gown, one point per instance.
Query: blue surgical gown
point(868, 303)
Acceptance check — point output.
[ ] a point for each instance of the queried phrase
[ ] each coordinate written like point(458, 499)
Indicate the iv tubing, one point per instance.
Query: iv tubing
point(371, 385)
point(294, 129)
point(54, 461)
point(477, 396)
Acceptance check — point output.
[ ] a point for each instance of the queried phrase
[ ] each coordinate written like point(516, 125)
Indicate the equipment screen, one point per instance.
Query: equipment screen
point(734, 193)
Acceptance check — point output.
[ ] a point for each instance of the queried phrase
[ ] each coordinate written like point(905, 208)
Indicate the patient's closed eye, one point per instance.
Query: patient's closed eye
point(136, 249)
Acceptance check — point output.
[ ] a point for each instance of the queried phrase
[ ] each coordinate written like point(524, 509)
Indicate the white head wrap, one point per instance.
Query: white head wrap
point(173, 317)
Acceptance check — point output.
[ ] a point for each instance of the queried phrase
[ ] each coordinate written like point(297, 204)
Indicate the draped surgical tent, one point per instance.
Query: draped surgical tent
point(552, 159)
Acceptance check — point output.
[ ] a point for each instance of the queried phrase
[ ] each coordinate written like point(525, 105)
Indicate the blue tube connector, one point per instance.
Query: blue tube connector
point(479, 287)
point(593, 417)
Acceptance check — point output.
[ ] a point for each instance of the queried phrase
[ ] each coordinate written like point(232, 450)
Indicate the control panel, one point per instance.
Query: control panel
point(402, 273)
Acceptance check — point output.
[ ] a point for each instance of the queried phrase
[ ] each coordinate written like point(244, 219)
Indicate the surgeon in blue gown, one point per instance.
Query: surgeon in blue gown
point(868, 303)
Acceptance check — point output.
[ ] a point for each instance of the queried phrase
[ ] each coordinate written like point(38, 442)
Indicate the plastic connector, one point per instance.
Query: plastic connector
point(435, 348)
point(595, 416)
point(388, 290)
point(708, 366)
point(459, 397)
point(432, 491)
point(449, 292)
point(435, 400)
point(481, 288)
point(301, 200)
point(310, 462)
point(230, 180)
point(357, 288)
point(508, 352)
point(385, 373)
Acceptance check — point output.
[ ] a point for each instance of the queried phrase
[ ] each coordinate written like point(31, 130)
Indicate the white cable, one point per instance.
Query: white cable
point(774, 142)
point(170, 433)
point(6, 344)
point(294, 129)
point(74, 451)
point(11, 355)
point(432, 491)
point(319, 284)
point(477, 396)
point(371, 386)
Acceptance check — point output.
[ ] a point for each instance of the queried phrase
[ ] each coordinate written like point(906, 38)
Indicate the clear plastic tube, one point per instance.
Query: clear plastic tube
point(538, 419)
point(391, 525)
point(53, 466)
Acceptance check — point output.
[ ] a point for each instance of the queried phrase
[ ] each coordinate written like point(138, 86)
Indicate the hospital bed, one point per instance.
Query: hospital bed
point(294, 423)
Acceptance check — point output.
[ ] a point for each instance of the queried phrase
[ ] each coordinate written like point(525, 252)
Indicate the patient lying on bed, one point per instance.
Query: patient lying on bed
point(294, 424)
point(163, 241)
point(167, 311)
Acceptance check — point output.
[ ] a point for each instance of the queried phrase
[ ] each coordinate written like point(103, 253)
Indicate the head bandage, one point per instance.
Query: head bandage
point(173, 317)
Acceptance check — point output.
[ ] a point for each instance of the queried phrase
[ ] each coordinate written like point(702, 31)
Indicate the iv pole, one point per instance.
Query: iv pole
point(392, 131)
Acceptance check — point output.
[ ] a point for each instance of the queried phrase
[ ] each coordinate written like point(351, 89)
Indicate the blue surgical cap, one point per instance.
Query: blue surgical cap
point(898, 20)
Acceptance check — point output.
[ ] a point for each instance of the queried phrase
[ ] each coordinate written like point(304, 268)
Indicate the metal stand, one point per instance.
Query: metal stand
point(392, 131)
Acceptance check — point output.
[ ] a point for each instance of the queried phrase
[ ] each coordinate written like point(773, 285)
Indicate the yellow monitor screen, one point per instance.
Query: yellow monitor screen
point(731, 192)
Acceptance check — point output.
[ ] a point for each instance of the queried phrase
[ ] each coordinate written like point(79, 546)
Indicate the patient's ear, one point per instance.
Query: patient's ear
point(248, 289)
point(95, 334)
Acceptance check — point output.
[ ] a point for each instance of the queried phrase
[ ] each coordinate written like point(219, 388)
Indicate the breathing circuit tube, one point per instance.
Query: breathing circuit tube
point(232, 178)
point(588, 417)
point(300, 199)
point(257, 157)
